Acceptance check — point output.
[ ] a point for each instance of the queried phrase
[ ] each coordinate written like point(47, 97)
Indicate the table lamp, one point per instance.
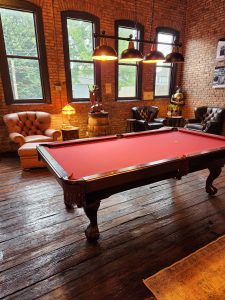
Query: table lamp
point(68, 111)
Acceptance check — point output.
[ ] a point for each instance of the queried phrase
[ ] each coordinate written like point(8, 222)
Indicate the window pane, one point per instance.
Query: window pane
point(80, 39)
point(165, 49)
point(162, 81)
point(19, 32)
point(25, 78)
point(127, 81)
point(82, 75)
point(125, 33)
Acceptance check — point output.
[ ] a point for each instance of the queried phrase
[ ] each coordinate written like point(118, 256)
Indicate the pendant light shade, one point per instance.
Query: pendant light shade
point(153, 56)
point(174, 57)
point(131, 54)
point(104, 52)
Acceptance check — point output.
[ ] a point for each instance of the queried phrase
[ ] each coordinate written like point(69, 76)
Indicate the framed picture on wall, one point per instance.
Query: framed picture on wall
point(220, 52)
point(219, 77)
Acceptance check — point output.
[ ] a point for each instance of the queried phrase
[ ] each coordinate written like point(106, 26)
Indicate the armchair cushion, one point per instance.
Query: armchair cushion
point(37, 138)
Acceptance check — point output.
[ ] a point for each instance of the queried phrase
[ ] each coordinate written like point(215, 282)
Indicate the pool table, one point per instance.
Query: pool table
point(90, 170)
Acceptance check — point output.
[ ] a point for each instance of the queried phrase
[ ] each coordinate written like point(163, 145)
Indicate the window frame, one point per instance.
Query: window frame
point(41, 50)
point(82, 16)
point(173, 72)
point(138, 88)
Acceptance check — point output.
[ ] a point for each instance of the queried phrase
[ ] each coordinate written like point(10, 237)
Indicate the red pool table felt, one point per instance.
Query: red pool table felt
point(106, 155)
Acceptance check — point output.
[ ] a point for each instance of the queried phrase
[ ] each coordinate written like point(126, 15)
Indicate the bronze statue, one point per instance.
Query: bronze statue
point(176, 103)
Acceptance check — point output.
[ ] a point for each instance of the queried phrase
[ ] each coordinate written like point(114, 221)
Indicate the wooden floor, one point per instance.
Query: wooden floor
point(44, 253)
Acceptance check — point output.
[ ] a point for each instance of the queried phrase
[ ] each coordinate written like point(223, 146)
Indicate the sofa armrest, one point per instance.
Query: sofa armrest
point(17, 138)
point(55, 134)
point(212, 127)
point(141, 125)
point(192, 121)
point(159, 120)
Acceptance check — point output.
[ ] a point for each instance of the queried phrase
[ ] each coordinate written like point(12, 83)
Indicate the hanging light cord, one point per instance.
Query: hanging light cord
point(135, 16)
point(151, 28)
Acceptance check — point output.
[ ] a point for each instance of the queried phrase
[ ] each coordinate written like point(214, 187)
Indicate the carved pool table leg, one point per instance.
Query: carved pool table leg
point(214, 173)
point(92, 232)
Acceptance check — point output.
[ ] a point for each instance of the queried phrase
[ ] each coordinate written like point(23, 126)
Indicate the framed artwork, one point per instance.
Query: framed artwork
point(220, 52)
point(219, 77)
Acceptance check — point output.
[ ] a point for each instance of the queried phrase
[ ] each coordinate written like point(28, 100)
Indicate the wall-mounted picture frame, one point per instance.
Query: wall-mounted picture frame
point(219, 77)
point(220, 52)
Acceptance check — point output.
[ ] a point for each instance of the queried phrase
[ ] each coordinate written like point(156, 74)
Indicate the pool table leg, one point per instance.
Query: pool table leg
point(214, 173)
point(91, 209)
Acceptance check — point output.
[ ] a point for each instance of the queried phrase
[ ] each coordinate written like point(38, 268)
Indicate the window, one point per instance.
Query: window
point(22, 54)
point(165, 72)
point(81, 71)
point(128, 75)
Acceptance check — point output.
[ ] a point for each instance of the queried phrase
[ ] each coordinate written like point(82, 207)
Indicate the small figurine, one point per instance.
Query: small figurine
point(96, 107)
point(176, 103)
point(94, 94)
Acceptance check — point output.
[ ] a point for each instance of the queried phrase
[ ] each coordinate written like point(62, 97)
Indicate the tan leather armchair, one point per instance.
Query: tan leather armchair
point(30, 127)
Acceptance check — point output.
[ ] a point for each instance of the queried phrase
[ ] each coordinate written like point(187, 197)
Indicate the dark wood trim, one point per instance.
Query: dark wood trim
point(140, 28)
point(79, 15)
point(173, 67)
point(42, 57)
point(6, 82)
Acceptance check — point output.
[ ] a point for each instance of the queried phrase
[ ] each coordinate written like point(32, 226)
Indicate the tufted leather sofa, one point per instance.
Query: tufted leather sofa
point(30, 127)
point(207, 119)
point(145, 118)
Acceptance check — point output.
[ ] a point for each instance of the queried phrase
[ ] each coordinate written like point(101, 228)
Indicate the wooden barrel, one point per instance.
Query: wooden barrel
point(98, 124)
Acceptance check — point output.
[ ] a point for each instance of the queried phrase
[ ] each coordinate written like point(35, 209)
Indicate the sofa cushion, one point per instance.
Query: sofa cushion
point(154, 125)
point(37, 138)
point(195, 126)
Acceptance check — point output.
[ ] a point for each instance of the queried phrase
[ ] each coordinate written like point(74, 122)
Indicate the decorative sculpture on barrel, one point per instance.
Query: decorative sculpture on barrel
point(94, 93)
point(176, 103)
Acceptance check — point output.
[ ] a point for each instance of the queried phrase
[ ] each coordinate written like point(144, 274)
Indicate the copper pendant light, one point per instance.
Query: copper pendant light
point(104, 52)
point(154, 56)
point(174, 57)
point(131, 54)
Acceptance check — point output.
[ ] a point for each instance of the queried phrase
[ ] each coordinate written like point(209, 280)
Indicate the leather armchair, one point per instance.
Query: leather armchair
point(145, 118)
point(30, 127)
point(207, 119)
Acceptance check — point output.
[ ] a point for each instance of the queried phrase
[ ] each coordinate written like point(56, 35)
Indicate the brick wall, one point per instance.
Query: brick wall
point(167, 13)
point(204, 27)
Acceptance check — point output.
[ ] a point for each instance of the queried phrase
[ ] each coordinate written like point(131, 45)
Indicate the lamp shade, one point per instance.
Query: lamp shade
point(68, 110)
point(104, 52)
point(131, 54)
point(174, 57)
point(153, 56)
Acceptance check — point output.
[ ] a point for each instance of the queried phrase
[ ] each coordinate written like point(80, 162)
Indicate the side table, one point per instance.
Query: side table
point(130, 125)
point(70, 133)
point(174, 121)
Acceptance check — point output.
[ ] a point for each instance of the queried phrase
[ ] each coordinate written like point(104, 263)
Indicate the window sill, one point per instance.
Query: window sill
point(128, 100)
point(30, 103)
point(81, 102)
